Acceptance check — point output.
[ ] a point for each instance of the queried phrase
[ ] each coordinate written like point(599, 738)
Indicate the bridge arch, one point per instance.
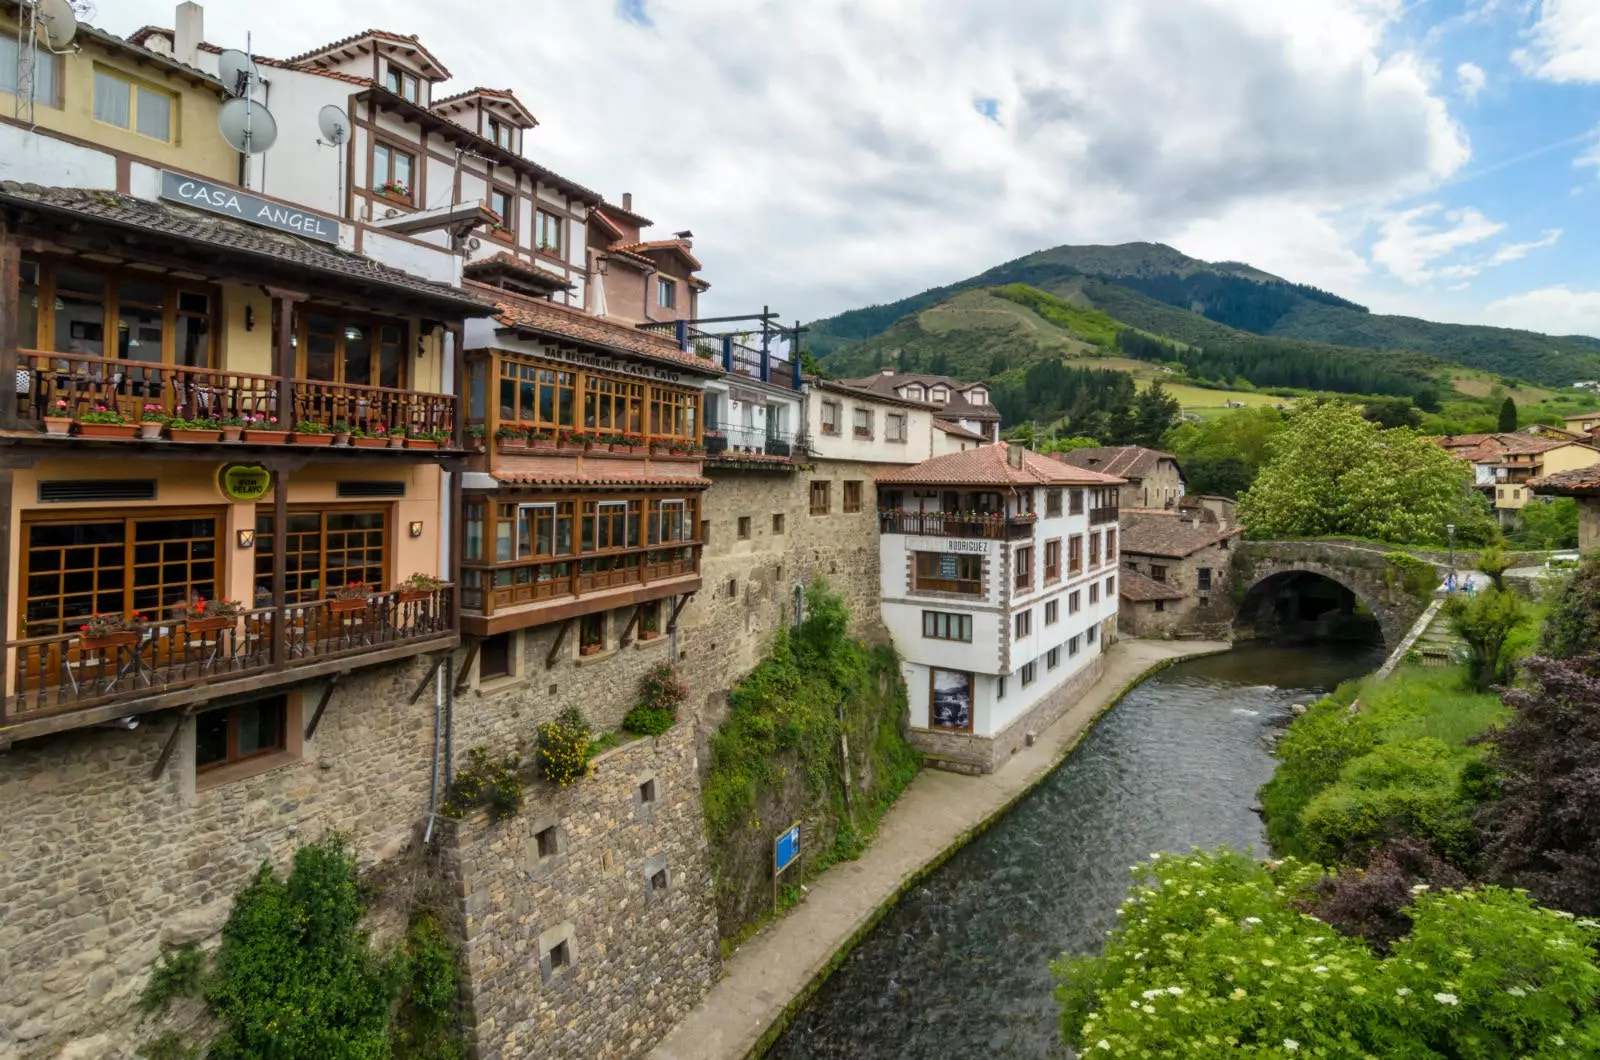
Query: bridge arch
point(1269, 570)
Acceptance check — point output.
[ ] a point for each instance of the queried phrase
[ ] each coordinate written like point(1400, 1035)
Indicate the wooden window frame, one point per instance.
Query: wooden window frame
point(952, 623)
point(851, 501)
point(857, 431)
point(544, 223)
point(663, 411)
point(1074, 602)
point(1202, 579)
point(1023, 581)
point(1094, 593)
point(1074, 555)
point(1072, 645)
point(1023, 624)
point(403, 77)
point(1052, 612)
point(1111, 586)
point(777, 523)
point(233, 757)
point(1158, 572)
point(1052, 658)
point(507, 232)
point(393, 149)
point(344, 319)
point(44, 337)
point(1052, 504)
point(1029, 674)
point(263, 544)
point(1111, 546)
point(743, 528)
point(834, 407)
point(969, 572)
point(1094, 550)
point(821, 496)
point(666, 293)
point(1052, 561)
point(1076, 505)
point(129, 518)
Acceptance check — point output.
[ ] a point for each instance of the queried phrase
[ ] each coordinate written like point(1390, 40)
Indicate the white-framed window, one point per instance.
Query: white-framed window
point(894, 427)
point(674, 522)
point(46, 71)
point(666, 293)
point(940, 395)
point(547, 233)
point(128, 104)
point(407, 86)
point(500, 132)
point(914, 393)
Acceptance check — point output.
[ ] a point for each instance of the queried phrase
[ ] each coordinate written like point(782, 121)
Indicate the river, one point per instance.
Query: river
point(961, 966)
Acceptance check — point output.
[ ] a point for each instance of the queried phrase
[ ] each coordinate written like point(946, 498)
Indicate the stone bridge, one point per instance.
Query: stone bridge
point(1394, 584)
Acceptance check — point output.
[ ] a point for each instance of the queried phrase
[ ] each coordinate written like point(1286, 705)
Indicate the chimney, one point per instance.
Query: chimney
point(1014, 455)
point(188, 30)
point(627, 201)
point(686, 237)
point(886, 370)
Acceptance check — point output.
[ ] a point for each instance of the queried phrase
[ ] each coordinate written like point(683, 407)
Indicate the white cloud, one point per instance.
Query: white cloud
point(1563, 42)
point(1470, 80)
point(1409, 243)
point(1558, 310)
point(851, 165)
point(1590, 159)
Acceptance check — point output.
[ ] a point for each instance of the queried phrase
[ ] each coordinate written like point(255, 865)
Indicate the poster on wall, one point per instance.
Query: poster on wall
point(951, 707)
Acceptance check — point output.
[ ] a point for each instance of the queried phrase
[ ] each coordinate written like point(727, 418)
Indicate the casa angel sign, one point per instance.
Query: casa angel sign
point(252, 209)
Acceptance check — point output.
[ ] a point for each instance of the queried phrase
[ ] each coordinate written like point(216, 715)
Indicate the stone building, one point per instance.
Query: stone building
point(1177, 572)
point(1154, 478)
point(999, 589)
point(1583, 484)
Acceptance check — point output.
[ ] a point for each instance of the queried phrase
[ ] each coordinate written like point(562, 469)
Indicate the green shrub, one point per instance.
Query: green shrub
point(561, 751)
point(176, 974)
point(663, 689)
point(170, 1045)
point(1310, 757)
point(648, 721)
point(295, 975)
point(1411, 787)
point(485, 781)
point(1488, 621)
point(1572, 625)
point(427, 1024)
point(1405, 571)
point(1213, 957)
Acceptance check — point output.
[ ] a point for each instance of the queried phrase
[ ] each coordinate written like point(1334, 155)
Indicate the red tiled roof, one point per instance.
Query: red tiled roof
point(957, 431)
point(144, 33)
point(548, 318)
point(987, 466)
point(659, 244)
point(1579, 482)
point(379, 34)
point(833, 386)
point(1462, 441)
point(542, 478)
point(1169, 535)
point(1131, 461)
point(506, 261)
point(1138, 588)
point(958, 407)
point(600, 215)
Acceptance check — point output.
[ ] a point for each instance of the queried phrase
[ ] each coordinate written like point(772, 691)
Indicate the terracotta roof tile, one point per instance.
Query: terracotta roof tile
point(659, 244)
point(540, 478)
point(833, 386)
point(1131, 461)
point(1164, 535)
point(1138, 588)
point(599, 214)
point(221, 233)
point(987, 466)
point(506, 261)
point(548, 318)
point(955, 430)
point(1579, 482)
point(958, 407)
point(380, 34)
point(494, 93)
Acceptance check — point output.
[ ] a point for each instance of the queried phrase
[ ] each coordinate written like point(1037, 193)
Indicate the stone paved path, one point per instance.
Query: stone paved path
point(933, 813)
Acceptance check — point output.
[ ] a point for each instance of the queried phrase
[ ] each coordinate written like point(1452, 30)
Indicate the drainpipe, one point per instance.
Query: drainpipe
point(438, 739)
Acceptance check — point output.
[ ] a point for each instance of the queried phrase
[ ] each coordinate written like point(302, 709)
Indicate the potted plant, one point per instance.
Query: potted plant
point(650, 625)
point(377, 438)
point(590, 649)
point(204, 429)
point(396, 436)
point(200, 615)
point(59, 420)
point(264, 429)
point(110, 631)
point(417, 438)
point(103, 421)
point(341, 432)
point(568, 440)
point(350, 597)
point(393, 189)
point(153, 420)
point(232, 428)
point(419, 586)
point(310, 432)
point(511, 437)
point(540, 438)
point(475, 437)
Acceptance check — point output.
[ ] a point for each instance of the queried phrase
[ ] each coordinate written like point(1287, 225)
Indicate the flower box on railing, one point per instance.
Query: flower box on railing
point(214, 624)
point(120, 639)
point(344, 605)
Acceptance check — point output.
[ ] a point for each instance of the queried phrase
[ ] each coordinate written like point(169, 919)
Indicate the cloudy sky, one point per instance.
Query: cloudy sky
point(1433, 157)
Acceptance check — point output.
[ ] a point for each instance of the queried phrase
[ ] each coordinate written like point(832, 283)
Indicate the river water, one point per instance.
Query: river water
point(961, 966)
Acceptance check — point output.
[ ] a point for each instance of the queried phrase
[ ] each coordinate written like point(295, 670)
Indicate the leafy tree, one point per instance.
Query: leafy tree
point(1544, 831)
point(1122, 427)
point(810, 365)
point(1546, 524)
point(940, 365)
point(1066, 445)
point(1333, 472)
point(1392, 412)
point(1486, 621)
point(1217, 476)
point(1508, 415)
point(1154, 413)
point(1572, 625)
point(1221, 456)
point(998, 364)
point(1494, 562)
point(1427, 398)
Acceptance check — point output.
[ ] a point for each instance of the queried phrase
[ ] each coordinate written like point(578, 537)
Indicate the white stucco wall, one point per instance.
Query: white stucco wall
point(917, 447)
point(36, 159)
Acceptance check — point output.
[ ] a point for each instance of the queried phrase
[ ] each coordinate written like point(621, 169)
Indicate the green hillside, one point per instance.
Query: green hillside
point(1158, 289)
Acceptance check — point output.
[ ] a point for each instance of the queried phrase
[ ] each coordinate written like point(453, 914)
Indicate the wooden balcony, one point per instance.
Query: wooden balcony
point(956, 524)
point(50, 384)
point(60, 682)
point(1101, 516)
point(560, 587)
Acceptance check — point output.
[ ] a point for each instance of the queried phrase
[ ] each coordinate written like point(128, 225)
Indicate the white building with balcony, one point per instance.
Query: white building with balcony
point(999, 588)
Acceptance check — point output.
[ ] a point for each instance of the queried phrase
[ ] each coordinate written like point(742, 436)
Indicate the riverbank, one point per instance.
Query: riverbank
point(769, 977)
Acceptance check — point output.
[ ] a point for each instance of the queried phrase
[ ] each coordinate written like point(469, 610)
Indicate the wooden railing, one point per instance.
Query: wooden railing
point(488, 588)
point(955, 524)
point(70, 384)
point(1098, 516)
point(62, 673)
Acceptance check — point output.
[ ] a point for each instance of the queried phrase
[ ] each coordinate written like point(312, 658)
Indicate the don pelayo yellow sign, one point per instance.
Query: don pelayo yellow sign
point(244, 482)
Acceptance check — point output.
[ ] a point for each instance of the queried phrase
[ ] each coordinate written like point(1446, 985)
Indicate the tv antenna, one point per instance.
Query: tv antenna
point(51, 23)
point(248, 126)
point(334, 125)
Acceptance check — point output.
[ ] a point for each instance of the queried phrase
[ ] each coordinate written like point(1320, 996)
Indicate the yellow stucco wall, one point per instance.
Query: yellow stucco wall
point(196, 145)
point(193, 485)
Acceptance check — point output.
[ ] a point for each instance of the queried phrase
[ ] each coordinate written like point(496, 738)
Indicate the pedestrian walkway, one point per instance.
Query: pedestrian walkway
point(935, 814)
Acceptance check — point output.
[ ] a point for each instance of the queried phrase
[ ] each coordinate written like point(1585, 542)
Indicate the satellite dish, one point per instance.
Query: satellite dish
point(247, 126)
point(58, 22)
point(237, 71)
point(334, 125)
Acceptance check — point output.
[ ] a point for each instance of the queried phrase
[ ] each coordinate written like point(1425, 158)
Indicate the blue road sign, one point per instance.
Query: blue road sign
point(786, 848)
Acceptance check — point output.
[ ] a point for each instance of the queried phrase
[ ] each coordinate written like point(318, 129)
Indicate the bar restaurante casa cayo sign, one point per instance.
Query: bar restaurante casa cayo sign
point(252, 209)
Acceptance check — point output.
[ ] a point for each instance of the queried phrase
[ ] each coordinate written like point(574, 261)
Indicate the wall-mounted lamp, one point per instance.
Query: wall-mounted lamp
point(249, 318)
point(247, 538)
point(416, 528)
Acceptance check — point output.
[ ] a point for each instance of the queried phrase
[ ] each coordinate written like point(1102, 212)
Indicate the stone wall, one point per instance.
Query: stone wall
point(1208, 613)
point(1362, 569)
point(589, 923)
point(102, 866)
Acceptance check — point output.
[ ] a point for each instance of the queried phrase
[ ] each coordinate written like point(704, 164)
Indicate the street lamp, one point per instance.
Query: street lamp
point(1450, 529)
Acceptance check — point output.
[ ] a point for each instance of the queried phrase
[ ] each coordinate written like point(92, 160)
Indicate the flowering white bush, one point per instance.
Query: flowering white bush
point(1213, 957)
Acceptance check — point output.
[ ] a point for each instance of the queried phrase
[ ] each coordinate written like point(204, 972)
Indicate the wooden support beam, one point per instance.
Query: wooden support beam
point(627, 631)
point(422, 686)
point(466, 665)
point(322, 704)
point(561, 638)
point(172, 742)
point(10, 313)
point(672, 623)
